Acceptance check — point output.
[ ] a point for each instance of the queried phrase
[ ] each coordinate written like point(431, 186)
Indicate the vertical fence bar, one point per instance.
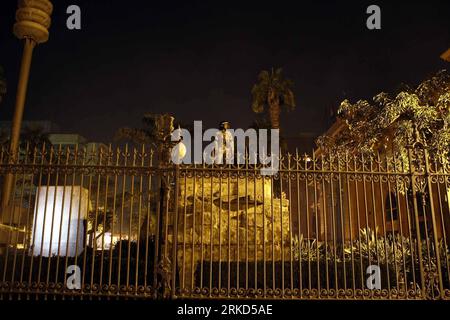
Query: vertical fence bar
point(291, 259)
point(238, 221)
point(342, 226)
point(66, 260)
point(350, 222)
point(383, 217)
point(392, 231)
point(406, 187)
point(105, 211)
point(440, 176)
point(45, 220)
point(80, 203)
point(374, 208)
point(98, 160)
point(433, 222)
point(148, 221)
point(49, 262)
point(11, 210)
point(412, 173)
point(334, 224)
point(211, 235)
point(183, 267)
point(308, 222)
point(27, 236)
point(175, 232)
point(282, 244)
point(358, 219)
point(85, 160)
point(122, 202)
point(299, 224)
point(194, 211)
point(66, 163)
point(364, 175)
point(19, 219)
point(255, 244)
point(316, 222)
point(30, 272)
point(246, 225)
point(402, 284)
point(325, 222)
point(273, 235)
point(115, 165)
point(142, 155)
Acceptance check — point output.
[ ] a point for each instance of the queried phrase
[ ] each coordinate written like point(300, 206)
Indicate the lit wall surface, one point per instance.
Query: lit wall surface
point(58, 221)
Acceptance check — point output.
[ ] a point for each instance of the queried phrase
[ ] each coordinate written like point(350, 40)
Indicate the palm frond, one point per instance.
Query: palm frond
point(272, 84)
point(138, 136)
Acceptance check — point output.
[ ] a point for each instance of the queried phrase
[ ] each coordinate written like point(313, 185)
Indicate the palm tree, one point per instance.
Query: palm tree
point(2, 84)
point(146, 134)
point(270, 93)
point(33, 137)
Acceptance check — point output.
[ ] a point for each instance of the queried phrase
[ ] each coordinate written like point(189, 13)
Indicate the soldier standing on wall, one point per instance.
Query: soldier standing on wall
point(224, 144)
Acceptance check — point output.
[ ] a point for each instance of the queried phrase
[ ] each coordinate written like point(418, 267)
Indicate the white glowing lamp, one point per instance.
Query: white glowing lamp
point(58, 221)
point(178, 152)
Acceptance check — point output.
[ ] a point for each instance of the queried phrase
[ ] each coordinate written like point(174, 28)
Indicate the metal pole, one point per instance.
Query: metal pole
point(18, 115)
point(21, 92)
point(33, 18)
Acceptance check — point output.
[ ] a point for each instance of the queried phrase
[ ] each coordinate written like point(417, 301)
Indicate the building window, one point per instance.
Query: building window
point(391, 206)
point(423, 209)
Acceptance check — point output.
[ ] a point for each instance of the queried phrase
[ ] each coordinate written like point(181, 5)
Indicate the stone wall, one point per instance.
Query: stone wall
point(225, 219)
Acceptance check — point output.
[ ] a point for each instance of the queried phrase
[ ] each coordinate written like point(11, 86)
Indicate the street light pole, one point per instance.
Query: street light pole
point(21, 92)
point(32, 23)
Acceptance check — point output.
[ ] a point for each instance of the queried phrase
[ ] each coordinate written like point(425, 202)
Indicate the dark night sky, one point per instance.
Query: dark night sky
point(199, 59)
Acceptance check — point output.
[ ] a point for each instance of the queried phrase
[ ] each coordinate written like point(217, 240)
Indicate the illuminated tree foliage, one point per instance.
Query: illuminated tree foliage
point(391, 122)
point(270, 93)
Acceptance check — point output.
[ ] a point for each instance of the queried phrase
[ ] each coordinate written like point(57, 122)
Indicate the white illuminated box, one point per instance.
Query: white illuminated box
point(58, 221)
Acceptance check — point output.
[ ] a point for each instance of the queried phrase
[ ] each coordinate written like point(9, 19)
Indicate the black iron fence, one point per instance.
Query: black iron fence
point(113, 222)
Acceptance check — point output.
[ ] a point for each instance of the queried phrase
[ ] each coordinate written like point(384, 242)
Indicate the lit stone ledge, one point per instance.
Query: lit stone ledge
point(230, 216)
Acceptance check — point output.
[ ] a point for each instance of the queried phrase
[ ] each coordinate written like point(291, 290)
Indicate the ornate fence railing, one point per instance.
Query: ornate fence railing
point(114, 222)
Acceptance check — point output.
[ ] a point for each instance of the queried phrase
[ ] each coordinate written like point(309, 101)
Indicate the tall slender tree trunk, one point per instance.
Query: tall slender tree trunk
point(274, 109)
point(274, 114)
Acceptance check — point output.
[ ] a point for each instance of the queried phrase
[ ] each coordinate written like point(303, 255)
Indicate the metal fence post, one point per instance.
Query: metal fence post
point(164, 128)
point(433, 221)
